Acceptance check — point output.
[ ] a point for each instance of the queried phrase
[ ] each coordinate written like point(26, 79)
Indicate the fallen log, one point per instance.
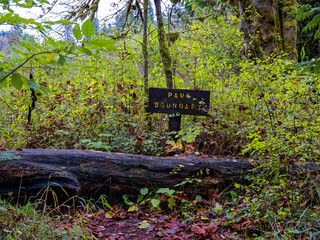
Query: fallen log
point(92, 173)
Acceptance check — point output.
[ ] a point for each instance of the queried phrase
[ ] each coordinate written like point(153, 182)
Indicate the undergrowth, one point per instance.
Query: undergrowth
point(265, 110)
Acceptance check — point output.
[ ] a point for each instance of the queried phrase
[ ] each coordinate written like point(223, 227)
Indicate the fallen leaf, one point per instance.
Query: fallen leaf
point(171, 231)
point(144, 224)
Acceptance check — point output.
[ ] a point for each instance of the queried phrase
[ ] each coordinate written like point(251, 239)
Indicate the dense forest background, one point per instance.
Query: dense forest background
point(82, 83)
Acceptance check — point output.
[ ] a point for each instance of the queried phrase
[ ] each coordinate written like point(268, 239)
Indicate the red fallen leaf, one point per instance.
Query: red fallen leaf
point(19, 149)
point(106, 235)
point(138, 214)
point(189, 152)
point(120, 215)
point(140, 139)
point(198, 230)
point(181, 195)
point(174, 217)
point(100, 228)
point(3, 149)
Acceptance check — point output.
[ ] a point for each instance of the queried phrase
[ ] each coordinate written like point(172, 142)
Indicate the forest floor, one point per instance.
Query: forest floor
point(157, 225)
point(121, 224)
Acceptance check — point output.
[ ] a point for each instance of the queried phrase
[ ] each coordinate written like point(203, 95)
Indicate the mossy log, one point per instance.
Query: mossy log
point(91, 173)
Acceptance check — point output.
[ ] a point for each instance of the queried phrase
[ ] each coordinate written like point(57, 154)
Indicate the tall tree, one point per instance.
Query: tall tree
point(146, 57)
point(163, 46)
point(268, 27)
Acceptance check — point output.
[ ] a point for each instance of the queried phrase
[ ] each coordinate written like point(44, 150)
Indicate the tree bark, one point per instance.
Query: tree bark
point(146, 60)
point(268, 28)
point(174, 121)
point(289, 28)
point(163, 46)
point(91, 173)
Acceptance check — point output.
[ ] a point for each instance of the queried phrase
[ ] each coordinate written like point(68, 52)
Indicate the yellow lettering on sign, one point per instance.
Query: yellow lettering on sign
point(168, 105)
point(192, 106)
point(169, 94)
point(176, 95)
point(181, 95)
point(174, 105)
point(187, 106)
point(180, 105)
point(156, 104)
point(162, 105)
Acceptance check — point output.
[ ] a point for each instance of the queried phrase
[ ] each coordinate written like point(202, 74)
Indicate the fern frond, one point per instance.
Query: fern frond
point(4, 156)
point(303, 12)
point(317, 34)
point(313, 65)
point(315, 22)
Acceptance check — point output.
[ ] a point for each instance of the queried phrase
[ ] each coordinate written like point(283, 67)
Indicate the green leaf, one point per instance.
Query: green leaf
point(144, 191)
point(45, 90)
point(103, 43)
point(87, 28)
point(234, 194)
point(302, 53)
point(172, 203)
point(77, 32)
point(71, 49)
point(16, 81)
point(50, 57)
point(61, 60)
point(85, 50)
point(64, 22)
point(33, 85)
point(126, 200)
point(237, 185)
point(155, 203)
point(166, 191)
point(4, 82)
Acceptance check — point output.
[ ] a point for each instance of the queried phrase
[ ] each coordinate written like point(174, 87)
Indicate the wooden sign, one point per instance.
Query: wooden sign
point(172, 101)
point(177, 102)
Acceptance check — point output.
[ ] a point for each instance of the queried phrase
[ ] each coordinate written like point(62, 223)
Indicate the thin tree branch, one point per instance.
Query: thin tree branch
point(23, 63)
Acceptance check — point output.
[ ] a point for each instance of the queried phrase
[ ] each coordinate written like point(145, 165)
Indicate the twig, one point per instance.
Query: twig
point(23, 63)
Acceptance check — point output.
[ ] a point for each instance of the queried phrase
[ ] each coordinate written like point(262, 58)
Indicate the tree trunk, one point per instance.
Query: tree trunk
point(174, 121)
point(146, 60)
point(91, 173)
point(268, 27)
point(163, 46)
point(289, 28)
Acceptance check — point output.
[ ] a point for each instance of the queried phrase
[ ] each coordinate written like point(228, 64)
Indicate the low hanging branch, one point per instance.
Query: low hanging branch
point(23, 63)
point(91, 173)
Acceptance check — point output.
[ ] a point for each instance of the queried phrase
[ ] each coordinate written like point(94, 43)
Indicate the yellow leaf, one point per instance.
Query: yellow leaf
point(204, 218)
point(132, 208)
point(50, 57)
point(109, 214)
point(144, 225)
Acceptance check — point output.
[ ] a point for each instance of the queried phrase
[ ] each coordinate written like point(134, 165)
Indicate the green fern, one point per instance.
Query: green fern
point(4, 156)
point(306, 11)
point(303, 12)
